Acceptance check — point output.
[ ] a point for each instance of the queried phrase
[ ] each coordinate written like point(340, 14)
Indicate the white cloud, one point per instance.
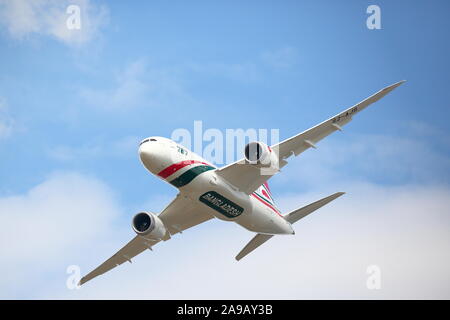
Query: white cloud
point(24, 18)
point(403, 230)
point(426, 131)
point(70, 219)
point(43, 230)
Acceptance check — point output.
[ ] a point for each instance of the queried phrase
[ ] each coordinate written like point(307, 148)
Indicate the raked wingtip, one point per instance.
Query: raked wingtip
point(392, 87)
point(395, 85)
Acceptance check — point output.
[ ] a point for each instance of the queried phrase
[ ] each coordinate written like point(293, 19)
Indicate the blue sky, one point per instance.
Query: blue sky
point(73, 107)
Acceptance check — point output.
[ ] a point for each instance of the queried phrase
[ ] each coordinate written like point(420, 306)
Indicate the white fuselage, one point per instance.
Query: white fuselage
point(196, 179)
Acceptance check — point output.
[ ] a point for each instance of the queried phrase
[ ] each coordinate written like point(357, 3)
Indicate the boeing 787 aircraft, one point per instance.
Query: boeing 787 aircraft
point(237, 192)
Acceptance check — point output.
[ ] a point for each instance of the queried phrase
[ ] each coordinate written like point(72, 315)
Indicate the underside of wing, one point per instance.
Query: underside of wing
point(182, 213)
point(247, 177)
point(178, 216)
point(129, 251)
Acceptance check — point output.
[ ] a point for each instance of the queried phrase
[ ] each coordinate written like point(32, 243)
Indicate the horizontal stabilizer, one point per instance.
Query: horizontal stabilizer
point(296, 215)
point(292, 217)
point(257, 240)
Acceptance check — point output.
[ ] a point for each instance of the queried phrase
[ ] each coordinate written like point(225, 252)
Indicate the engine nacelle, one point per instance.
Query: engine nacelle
point(148, 225)
point(261, 155)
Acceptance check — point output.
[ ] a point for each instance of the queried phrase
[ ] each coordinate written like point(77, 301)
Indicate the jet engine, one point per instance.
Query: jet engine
point(148, 225)
point(261, 155)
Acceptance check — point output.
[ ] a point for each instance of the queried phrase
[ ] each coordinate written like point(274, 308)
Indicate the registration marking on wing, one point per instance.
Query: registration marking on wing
point(345, 114)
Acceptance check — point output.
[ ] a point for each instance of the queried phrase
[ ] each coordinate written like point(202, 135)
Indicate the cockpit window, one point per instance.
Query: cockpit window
point(147, 140)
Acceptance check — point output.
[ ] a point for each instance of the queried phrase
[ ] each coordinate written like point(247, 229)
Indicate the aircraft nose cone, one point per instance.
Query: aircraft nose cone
point(147, 156)
point(145, 153)
point(154, 156)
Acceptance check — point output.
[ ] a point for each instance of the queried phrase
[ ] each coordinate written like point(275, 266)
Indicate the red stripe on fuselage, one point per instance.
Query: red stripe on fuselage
point(177, 166)
point(267, 204)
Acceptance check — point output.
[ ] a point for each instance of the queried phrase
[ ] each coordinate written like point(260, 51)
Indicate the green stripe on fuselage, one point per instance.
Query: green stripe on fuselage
point(263, 198)
point(189, 175)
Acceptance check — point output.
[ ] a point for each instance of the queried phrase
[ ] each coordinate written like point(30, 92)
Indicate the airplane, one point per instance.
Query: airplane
point(237, 192)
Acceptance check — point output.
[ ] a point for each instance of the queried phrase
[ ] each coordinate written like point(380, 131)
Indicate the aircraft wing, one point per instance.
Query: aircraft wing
point(129, 251)
point(181, 214)
point(248, 178)
point(178, 216)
